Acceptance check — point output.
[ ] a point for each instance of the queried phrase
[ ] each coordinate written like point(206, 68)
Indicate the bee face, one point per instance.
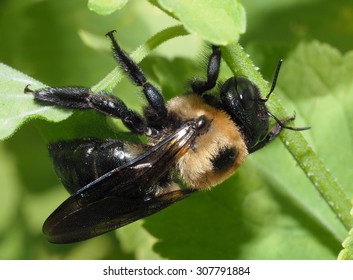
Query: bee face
point(243, 103)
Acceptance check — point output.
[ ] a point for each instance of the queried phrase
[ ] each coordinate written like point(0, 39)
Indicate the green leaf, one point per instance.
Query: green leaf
point(96, 42)
point(325, 88)
point(16, 107)
point(10, 188)
point(218, 22)
point(106, 7)
point(347, 251)
point(283, 23)
point(161, 71)
point(135, 239)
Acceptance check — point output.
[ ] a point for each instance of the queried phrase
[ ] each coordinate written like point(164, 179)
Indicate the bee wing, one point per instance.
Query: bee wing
point(72, 222)
point(120, 196)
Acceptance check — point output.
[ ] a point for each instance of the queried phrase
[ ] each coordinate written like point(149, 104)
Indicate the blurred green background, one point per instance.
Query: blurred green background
point(263, 217)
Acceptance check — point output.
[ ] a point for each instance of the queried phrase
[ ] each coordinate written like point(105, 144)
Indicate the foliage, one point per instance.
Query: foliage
point(278, 205)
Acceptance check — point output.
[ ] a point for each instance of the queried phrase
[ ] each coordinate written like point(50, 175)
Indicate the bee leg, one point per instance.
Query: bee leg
point(214, 63)
point(103, 102)
point(136, 75)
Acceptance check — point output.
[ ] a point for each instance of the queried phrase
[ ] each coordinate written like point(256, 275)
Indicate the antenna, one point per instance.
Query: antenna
point(282, 123)
point(274, 81)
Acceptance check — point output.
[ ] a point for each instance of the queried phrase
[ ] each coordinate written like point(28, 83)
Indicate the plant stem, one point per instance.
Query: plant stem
point(113, 78)
point(309, 162)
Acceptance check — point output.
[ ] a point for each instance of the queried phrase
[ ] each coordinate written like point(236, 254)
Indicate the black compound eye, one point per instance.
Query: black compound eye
point(246, 92)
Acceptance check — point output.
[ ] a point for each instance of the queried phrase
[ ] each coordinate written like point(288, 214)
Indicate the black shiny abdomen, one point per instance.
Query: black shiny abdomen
point(79, 162)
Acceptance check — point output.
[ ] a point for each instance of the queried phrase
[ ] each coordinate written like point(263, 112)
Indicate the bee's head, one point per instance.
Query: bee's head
point(242, 101)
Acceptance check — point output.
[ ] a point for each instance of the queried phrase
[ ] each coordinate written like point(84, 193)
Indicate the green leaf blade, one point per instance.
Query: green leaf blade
point(16, 107)
point(218, 22)
point(347, 251)
point(325, 99)
point(106, 7)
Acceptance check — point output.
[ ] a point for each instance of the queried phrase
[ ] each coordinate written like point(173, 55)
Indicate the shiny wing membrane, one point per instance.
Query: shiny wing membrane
point(122, 195)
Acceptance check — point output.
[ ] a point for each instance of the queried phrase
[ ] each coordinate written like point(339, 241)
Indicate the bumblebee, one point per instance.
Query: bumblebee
point(195, 141)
